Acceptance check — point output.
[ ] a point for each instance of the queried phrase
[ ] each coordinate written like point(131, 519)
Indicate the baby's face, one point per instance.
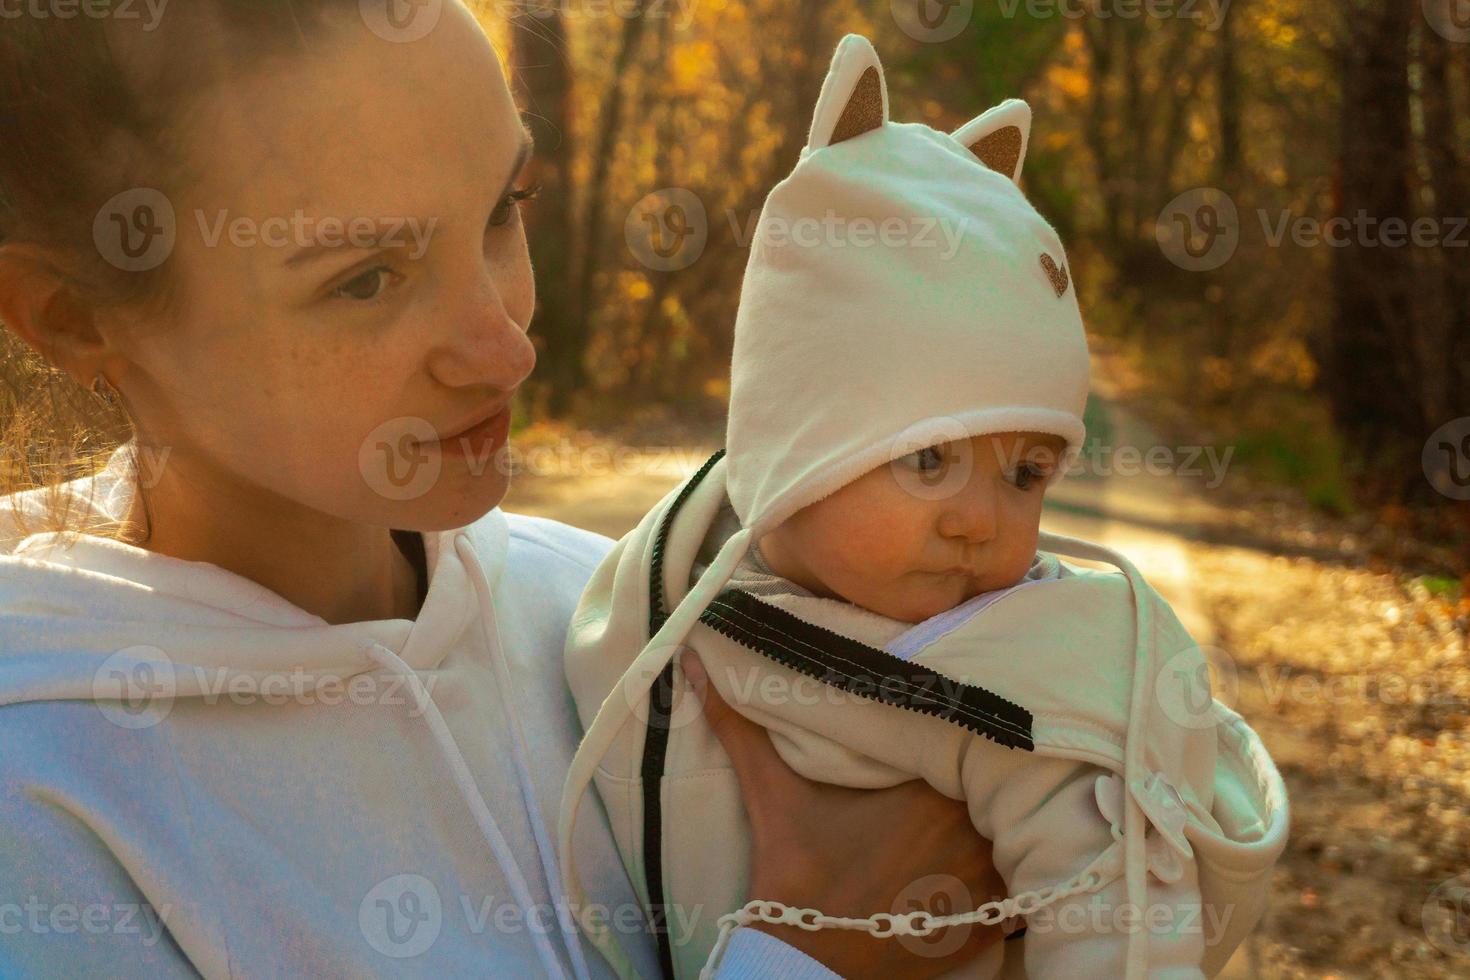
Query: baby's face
point(926, 532)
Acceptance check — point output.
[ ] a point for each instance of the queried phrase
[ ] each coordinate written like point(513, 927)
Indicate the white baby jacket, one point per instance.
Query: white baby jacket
point(1023, 705)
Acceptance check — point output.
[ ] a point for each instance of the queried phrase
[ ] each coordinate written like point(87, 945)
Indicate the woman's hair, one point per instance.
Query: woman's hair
point(91, 107)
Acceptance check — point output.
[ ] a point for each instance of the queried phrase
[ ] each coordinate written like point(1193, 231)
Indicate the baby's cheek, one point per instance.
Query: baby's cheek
point(889, 558)
point(1020, 555)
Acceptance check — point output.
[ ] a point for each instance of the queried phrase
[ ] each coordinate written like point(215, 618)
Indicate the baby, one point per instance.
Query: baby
point(863, 574)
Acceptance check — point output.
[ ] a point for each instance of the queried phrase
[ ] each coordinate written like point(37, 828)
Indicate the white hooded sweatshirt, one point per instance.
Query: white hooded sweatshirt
point(199, 778)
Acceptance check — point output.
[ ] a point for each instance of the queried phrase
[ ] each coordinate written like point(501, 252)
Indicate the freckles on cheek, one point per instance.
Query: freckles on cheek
point(874, 557)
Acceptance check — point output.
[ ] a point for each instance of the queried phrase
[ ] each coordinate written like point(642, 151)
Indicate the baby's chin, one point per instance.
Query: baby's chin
point(940, 594)
point(914, 605)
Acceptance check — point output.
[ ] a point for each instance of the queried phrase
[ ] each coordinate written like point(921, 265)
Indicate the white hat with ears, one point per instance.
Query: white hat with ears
point(900, 292)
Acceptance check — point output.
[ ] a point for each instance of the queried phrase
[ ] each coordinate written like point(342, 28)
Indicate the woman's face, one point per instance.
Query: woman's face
point(355, 283)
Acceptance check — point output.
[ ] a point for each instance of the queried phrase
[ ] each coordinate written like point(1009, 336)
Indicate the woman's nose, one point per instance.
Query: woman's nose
point(482, 342)
point(972, 513)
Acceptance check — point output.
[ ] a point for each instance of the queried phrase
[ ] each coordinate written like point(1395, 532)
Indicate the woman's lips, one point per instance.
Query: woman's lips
point(480, 439)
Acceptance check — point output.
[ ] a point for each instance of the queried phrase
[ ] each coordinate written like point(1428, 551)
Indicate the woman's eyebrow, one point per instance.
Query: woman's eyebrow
point(389, 231)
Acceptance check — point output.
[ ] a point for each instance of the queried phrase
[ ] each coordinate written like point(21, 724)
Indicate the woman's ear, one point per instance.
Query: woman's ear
point(39, 305)
point(999, 137)
point(854, 97)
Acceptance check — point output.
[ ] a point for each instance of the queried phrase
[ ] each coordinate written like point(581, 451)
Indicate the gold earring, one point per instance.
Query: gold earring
point(104, 389)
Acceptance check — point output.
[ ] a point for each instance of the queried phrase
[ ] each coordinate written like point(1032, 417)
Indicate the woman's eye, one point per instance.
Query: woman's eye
point(366, 287)
point(501, 214)
point(506, 207)
point(927, 460)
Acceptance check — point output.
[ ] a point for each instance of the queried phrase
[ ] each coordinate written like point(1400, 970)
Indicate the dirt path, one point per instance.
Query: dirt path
point(1357, 681)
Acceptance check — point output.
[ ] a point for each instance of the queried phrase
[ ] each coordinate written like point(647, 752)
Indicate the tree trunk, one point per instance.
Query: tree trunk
point(655, 377)
point(1443, 149)
point(610, 123)
point(1228, 93)
point(1369, 375)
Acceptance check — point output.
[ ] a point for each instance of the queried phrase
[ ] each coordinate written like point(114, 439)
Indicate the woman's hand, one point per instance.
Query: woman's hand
point(851, 852)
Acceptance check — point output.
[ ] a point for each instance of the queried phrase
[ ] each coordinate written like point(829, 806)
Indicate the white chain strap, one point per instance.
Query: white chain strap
point(1105, 868)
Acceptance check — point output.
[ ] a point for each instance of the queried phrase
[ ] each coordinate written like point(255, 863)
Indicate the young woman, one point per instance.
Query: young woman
point(245, 728)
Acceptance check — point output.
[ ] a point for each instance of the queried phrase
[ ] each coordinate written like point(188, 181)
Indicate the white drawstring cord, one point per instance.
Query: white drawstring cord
point(471, 793)
point(521, 751)
point(1135, 823)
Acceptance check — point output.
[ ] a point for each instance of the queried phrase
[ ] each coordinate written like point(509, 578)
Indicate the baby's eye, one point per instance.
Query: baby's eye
point(927, 460)
point(1028, 476)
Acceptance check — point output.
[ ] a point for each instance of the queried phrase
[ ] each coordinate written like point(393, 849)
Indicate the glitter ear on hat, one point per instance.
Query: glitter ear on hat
point(900, 292)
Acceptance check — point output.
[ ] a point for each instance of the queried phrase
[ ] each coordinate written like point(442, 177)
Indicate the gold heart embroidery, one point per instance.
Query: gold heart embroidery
point(1057, 276)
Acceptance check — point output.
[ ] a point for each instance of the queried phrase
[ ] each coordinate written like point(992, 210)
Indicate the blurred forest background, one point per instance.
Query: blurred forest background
point(1191, 154)
point(1326, 367)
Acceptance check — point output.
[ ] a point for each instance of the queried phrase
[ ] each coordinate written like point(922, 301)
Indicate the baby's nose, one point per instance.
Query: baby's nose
point(971, 513)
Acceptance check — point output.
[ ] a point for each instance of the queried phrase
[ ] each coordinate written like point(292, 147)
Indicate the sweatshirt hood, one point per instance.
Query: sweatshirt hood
point(94, 618)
